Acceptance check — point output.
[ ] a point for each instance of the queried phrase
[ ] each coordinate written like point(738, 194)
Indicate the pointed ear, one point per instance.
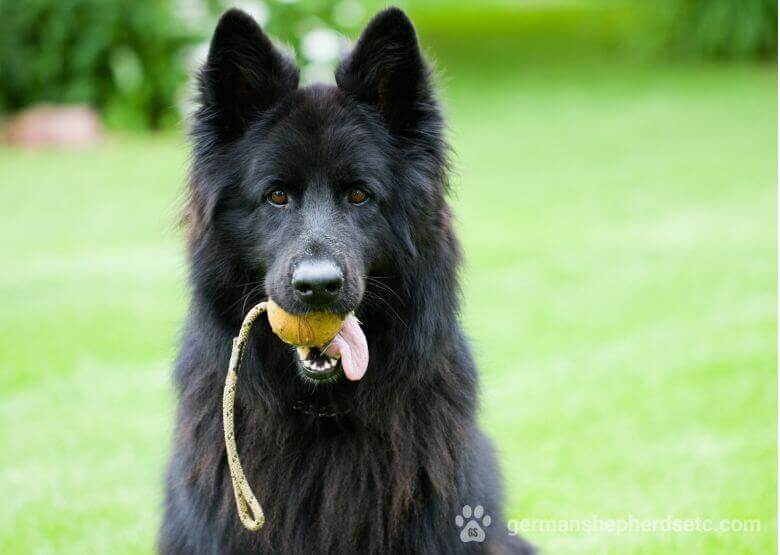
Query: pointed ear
point(243, 75)
point(387, 71)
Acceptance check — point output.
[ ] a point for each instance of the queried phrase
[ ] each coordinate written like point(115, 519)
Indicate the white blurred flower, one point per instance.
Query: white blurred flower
point(317, 73)
point(321, 45)
point(193, 13)
point(197, 55)
point(258, 10)
point(348, 13)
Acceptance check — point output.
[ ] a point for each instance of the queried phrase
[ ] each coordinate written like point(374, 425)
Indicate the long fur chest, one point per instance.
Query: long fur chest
point(329, 481)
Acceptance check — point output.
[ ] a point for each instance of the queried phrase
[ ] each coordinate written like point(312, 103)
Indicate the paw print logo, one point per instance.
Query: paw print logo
point(473, 524)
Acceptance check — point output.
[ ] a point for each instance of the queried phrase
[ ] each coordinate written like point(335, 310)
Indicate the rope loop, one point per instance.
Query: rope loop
point(249, 510)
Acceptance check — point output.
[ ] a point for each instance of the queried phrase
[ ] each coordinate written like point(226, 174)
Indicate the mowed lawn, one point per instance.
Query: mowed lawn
point(618, 224)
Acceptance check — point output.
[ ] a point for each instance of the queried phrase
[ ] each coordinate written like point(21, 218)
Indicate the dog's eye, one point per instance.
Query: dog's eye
point(277, 197)
point(357, 196)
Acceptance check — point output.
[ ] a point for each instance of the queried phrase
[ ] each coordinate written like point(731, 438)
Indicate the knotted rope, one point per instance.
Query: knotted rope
point(245, 499)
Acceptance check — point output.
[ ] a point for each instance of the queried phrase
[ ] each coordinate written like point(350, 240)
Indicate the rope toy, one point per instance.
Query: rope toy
point(245, 498)
point(337, 335)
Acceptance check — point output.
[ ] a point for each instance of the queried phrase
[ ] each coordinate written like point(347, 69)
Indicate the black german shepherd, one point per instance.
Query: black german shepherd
point(328, 198)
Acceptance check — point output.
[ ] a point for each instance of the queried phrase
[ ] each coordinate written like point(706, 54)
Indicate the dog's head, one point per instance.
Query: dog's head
point(311, 191)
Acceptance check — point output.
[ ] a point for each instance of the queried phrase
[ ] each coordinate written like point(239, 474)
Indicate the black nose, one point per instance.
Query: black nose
point(317, 281)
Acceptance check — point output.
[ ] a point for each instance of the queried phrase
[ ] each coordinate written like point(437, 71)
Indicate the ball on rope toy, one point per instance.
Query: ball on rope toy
point(306, 330)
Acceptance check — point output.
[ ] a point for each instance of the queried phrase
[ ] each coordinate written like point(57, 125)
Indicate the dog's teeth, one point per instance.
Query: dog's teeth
point(318, 363)
point(303, 352)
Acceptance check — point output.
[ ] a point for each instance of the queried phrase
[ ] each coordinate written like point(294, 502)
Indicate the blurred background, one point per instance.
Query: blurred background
point(615, 168)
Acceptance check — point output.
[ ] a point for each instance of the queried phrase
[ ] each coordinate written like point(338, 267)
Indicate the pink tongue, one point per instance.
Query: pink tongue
point(350, 344)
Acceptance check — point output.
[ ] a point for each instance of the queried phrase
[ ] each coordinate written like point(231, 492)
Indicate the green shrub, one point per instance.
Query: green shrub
point(721, 29)
point(125, 57)
point(129, 57)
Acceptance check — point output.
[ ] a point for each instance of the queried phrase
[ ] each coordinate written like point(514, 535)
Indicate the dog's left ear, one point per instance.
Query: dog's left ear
point(386, 70)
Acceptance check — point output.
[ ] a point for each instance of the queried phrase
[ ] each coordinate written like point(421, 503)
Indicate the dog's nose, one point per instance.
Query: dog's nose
point(317, 282)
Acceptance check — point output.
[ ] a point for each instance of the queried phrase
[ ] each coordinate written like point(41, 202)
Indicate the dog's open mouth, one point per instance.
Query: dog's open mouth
point(318, 366)
point(346, 354)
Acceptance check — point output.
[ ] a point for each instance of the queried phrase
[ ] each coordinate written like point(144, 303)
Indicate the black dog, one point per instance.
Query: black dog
point(328, 198)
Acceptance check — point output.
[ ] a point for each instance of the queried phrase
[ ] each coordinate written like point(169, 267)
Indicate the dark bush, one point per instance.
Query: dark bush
point(128, 57)
point(125, 57)
point(721, 29)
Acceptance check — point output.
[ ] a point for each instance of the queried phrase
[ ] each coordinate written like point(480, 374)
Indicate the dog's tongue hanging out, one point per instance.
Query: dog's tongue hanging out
point(350, 344)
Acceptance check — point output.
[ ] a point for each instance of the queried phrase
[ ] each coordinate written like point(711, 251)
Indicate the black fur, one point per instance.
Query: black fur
point(398, 453)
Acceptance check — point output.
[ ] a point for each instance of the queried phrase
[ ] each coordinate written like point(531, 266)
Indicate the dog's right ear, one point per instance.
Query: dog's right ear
point(243, 76)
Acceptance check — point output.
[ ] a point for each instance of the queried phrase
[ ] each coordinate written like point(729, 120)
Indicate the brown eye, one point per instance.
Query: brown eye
point(278, 197)
point(357, 196)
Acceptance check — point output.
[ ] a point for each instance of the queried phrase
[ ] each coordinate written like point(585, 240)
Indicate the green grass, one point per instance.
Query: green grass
point(618, 224)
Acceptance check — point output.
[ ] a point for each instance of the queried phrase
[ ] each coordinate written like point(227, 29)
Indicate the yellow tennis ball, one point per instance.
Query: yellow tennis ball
point(310, 330)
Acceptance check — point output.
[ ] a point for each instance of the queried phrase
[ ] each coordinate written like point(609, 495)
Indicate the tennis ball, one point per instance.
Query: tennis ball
point(310, 330)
